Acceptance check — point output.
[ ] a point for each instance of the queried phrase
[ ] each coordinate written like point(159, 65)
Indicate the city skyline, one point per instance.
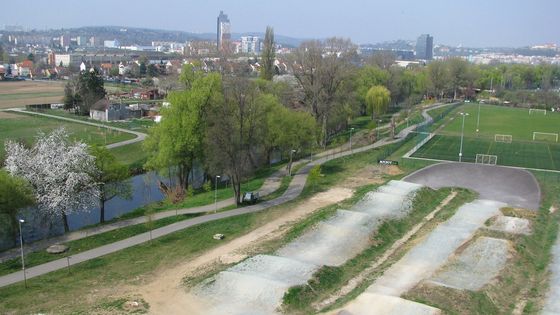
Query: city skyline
point(474, 24)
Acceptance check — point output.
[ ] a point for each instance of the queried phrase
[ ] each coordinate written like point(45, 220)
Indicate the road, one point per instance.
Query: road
point(294, 189)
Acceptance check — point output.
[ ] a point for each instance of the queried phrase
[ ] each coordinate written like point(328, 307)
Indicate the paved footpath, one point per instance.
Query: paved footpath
point(293, 191)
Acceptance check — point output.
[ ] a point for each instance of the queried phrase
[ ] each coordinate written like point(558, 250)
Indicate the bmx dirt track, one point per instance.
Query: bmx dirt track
point(516, 187)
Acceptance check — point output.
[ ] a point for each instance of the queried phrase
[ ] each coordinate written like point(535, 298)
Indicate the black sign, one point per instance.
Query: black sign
point(388, 162)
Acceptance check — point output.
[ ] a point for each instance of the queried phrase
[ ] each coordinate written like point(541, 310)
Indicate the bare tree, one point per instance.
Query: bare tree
point(233, 131)
point(322, 69)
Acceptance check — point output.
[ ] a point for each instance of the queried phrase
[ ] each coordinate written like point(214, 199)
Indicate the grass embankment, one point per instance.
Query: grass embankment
point(299, 299)
point(63, 292)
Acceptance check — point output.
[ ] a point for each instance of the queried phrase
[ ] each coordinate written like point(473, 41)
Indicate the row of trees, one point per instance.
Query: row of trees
point(225, 124)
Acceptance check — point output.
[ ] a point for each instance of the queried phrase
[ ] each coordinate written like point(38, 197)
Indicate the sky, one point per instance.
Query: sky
point(472, 23)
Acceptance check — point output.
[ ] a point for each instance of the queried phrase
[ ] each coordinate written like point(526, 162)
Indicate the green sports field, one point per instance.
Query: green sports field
point(522, 152)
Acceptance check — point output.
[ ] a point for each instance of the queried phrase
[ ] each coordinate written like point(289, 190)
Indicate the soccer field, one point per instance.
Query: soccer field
point(521, 152)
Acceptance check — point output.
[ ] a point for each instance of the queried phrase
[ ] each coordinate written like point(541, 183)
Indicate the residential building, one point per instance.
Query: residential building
point(250, 45)
point(64, 41)
point(425, 47)
point(104, 111)
point(224, 32)
point(82, 41)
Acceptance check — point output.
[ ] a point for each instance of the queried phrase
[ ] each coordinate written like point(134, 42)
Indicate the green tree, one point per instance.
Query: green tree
point(377, 99)
point(314, 176)
point(143, 69)
point(31, 57)
point(111, 176)
point(286, 129)
point(15, 194)
point(83, 91)
point(268, 55)
point(367, 77)
point(177, 142)
point(152, 70)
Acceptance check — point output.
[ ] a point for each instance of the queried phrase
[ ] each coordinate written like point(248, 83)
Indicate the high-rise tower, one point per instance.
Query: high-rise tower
point(224, 32)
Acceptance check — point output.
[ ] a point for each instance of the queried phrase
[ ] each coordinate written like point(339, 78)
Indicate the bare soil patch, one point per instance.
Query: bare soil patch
point(371, 174)
point(165, 295)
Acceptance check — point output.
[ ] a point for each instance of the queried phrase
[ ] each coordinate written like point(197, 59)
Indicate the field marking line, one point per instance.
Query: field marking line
point(550, 154)
point(354, 282)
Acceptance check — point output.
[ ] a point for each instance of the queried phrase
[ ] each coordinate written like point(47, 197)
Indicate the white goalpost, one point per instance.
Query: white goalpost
point(503, 138)
point(545, 136)
point(532, 110)
point(486, 159)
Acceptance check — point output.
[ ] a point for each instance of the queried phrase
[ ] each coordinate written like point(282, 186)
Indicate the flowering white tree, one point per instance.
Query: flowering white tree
point(59, 171)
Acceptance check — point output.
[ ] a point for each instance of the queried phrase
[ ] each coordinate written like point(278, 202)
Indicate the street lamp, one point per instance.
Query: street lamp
point(478, 119)
point(462, 129)
point(290, 165)
point(406, 122)
point(216, 195)
point(21, 248)
point(351, 130)
point(378, 126)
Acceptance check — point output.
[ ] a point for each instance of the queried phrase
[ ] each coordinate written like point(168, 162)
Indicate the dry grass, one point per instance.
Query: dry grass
point(21, 93)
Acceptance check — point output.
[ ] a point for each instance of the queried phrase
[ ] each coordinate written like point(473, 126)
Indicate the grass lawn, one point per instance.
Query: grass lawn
point(21, 93)
point(502, 120)
point(132, 155)
point(522, 152)
point(518, 153)
point(20, 127)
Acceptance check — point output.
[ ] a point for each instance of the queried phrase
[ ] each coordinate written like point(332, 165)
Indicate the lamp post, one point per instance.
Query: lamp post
point(478, 119)
point(290, 165)
point(462, 130)
point(216, 194)
point(351, 130)
point(21, 248)
point(378, 125)
point(406, 122)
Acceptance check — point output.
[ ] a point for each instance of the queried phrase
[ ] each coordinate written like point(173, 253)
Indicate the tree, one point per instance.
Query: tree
point(268, 55)
point(59, 172)
point(377, 99)
point(31, 57)
point(111, 178)
point(458, 70)
point(143, 68)
point(15, 194)
point(438, 78)
point(322, 71)
point(83, 91)
point(234, 131)
point(152, 70)
point(286, 129)
point(178, 141)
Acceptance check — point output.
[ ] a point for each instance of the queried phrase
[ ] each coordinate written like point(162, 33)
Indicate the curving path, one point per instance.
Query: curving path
point(295, 188)
point(140, 136)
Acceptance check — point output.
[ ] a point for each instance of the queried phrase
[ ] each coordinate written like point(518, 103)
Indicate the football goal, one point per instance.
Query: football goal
point(534, 110)
point(545, 136)
point(487, 159)
point(503, 138)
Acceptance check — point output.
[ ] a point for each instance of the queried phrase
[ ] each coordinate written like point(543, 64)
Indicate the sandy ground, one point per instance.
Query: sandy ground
point(371, 174)
point(7, 115)
point(165, 294)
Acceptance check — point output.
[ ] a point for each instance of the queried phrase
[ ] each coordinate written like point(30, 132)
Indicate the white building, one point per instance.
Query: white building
point(250, 45)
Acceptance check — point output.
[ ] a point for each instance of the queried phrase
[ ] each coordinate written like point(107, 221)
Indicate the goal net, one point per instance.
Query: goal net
point(503, 138)
point(487, 159)
point(545, 136)
point(533, 110)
